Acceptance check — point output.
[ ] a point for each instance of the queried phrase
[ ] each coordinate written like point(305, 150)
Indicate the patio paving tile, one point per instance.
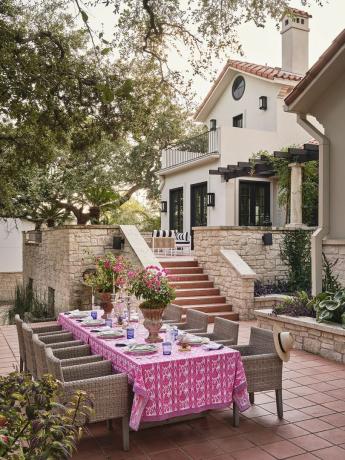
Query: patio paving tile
point(337, 420)
point(283, 449)
point(255, 453)
point(314, 425)
point(311, 442)
point(335, 436)
point(331, 453)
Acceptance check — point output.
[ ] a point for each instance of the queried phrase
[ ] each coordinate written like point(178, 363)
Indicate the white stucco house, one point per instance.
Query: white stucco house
point(11, 254)
point(244, 113)
point(321, 94)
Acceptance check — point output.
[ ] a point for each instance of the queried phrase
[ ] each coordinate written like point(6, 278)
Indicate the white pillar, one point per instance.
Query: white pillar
point(296, 199)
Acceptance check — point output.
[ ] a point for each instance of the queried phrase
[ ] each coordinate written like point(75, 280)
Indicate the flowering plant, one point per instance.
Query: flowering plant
point(152, 285)
point(112, 272)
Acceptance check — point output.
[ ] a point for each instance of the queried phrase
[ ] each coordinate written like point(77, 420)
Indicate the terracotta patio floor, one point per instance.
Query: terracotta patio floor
point(313, 425)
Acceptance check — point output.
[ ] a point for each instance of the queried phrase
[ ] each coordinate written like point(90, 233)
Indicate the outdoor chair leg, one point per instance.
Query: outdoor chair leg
point(279, 401)
point(125, 433)
point(236, 416)
point(251, 398)
point(109, 424)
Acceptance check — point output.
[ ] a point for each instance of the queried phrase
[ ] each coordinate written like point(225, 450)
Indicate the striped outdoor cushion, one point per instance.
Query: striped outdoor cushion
point(163, 233)
point(182, 236)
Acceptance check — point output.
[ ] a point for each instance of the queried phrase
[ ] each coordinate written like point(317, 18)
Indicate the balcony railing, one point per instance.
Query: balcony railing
point(191, 149)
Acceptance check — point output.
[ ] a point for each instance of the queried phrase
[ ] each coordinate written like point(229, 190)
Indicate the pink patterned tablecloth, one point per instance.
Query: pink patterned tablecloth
point(171, 386)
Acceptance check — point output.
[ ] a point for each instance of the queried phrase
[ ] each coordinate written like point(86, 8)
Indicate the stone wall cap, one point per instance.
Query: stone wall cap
point(75, 227)
point(236, 261)
point(304, 321)
point(264, 298)
point(247, 229)
point(333, 242)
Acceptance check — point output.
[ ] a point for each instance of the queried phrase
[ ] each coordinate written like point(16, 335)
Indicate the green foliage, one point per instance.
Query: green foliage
point(295, 252)
point(26, 301)
point(33, 425)
point(145, 217)
point(152, 285)
point(330, 281)
point(331, 308)
point(298, 305)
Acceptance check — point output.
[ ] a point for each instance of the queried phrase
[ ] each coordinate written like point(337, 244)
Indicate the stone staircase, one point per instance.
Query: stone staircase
point(195, 290)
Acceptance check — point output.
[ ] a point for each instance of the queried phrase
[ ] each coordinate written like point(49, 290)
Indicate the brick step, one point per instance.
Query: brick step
point(226, 315)
point(184, 270)
point(179, 263)
point(199, 300)
point(210, 308)
point(191, 284)
point(188, 277)
point(197, 292)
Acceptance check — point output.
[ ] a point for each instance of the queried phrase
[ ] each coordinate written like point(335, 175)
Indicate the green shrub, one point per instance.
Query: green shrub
point(330, 281)
point(295, 252)
point(298, 305)
point(33, 425)
point(331, 308)
point(28, 305)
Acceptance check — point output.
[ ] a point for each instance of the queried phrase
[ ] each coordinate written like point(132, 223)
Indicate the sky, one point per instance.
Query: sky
point(263, 45)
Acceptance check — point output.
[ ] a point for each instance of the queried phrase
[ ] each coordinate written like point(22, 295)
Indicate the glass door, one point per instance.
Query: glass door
point(176, 209)
point(254, 203)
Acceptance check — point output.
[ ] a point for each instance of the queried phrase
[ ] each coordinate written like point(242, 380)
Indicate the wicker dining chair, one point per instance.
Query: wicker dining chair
point(262, 366)
point(51, 328)
point(224, 332)
point(172, 314)
point(196, 321)
point(68, 356)
point(109, 392)
point(66, 340)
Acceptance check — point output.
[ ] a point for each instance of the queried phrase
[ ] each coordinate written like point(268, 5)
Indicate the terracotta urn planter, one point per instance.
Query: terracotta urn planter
point(153, 323)
point(105, 303)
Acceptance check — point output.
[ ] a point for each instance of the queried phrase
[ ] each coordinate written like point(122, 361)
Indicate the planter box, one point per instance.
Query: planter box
point(327, 340)
point(269, 300)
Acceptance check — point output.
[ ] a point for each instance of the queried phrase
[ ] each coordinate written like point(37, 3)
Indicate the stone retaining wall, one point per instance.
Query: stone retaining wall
point(268, 301)
point(318, 338)
point(247, 242)
point(8, 283)
point(62, 256)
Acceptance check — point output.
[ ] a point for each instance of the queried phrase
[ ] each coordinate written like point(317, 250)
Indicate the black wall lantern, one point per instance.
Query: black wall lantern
point(213, 124)
point(118, 242)
point(263, 102)
point(211, 199)
point(164, 206)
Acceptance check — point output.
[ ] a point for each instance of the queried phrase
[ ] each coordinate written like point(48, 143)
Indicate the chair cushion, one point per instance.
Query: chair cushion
point(182, 237)
point(163, 233)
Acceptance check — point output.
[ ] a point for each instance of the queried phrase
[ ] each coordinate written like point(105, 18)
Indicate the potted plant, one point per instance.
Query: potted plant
point(33, 425)
point(152, 285)
point(111, 273)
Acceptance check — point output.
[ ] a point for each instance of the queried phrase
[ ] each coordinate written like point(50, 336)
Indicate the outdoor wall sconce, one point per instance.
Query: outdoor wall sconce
point(263, 102)
point(267, 239)
point(118, 242)
point(164, 206)
point(211, 199)
point(213, 124)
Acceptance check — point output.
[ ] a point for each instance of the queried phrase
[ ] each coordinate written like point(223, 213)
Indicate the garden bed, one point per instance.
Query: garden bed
point(327, 340)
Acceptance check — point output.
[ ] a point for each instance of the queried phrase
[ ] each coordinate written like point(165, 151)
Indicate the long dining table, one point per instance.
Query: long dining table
point(169, 386)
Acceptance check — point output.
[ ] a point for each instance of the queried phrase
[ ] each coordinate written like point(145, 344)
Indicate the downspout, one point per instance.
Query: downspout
point(324, 202)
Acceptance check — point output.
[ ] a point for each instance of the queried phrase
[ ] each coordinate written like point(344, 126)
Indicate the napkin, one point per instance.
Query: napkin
point(213, 346)
point(141, 347)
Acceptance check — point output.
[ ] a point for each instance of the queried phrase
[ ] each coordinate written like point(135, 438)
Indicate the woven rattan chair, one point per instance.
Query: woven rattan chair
point(51, 328)
point(172, 314)
point(263, 367)
point(196, 321)
point(109, 392)
point(68, 356)
point(66, 340)
point(224, 332)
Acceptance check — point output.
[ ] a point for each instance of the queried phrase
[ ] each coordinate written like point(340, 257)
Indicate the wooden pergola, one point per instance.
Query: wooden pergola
point(263, 167)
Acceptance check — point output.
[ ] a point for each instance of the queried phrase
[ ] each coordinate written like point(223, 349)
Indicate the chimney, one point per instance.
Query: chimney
point(295, 41)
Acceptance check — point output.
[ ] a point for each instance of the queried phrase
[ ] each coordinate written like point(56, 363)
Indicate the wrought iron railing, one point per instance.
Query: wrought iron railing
point(191, 149)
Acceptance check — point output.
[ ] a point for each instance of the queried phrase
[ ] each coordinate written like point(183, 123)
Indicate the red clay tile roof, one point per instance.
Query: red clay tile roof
point(314, 71)
point(262, 71)
point(296, 12)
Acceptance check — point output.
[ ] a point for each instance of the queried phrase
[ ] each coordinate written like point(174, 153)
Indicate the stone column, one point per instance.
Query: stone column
point(296, 201)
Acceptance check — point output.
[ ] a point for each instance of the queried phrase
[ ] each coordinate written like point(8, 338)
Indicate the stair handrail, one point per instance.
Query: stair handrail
point(139, 246)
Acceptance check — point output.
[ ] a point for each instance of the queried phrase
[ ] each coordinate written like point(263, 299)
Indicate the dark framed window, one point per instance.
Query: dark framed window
point(176, 209)
point(238, 88)
point(254, 203)
point(237, 122)
point(198, 204)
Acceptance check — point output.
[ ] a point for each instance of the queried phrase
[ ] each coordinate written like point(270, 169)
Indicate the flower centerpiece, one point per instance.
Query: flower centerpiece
point(111, 274)
point(152, 285)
